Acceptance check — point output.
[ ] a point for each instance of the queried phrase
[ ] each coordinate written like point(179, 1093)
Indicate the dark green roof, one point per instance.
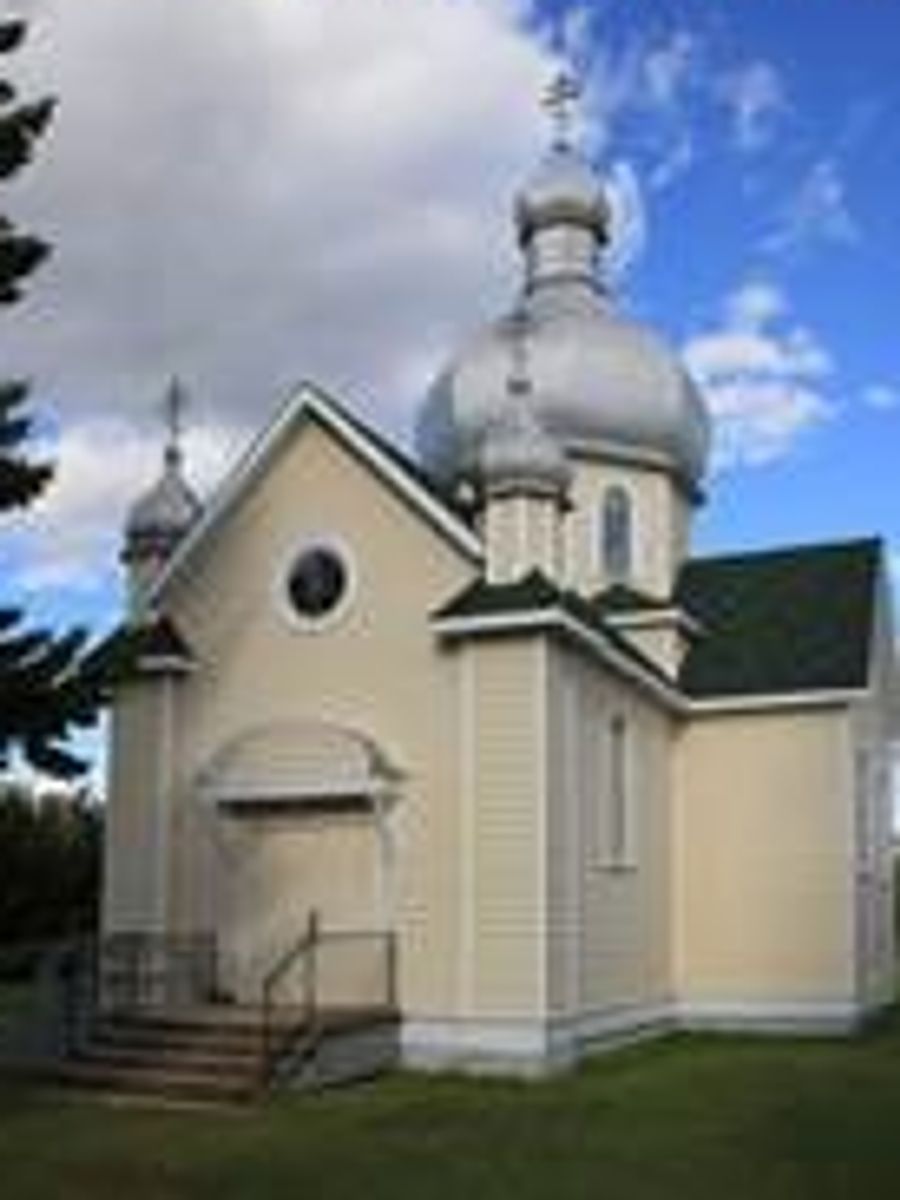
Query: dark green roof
point(130, 648)
point(533, 593)
point(483, 599)
point(619, 598)
point(790, 620)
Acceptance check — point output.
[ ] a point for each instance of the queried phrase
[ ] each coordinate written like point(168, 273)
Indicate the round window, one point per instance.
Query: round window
point(317, 582)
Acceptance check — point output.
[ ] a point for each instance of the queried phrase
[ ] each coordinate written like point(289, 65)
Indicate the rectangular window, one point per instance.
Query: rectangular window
point(618, 791)
point(616, 816)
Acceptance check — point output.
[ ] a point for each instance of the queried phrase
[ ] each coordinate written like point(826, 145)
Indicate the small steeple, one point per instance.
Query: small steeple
point(562, 214)
point(159, 519)
point(518, 455)
point(525, 476)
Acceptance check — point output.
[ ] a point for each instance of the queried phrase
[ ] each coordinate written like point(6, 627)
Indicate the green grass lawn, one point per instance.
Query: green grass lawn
point(14, 1001)
point(680, 1119)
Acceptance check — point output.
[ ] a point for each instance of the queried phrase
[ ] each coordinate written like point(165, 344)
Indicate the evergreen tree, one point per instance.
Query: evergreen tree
point(43, 692)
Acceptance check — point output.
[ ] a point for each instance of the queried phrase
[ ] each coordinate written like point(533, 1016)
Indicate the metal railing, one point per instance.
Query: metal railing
point(139, 970)
point(324, 974)
point(125, 973)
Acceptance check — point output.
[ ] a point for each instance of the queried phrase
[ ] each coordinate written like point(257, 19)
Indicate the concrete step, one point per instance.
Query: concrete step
point(221, 1087)
point(187, 1060)
point(214, 1054)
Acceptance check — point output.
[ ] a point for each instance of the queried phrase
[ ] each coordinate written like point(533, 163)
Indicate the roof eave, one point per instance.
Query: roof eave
point(310, 402)
point(556, 619)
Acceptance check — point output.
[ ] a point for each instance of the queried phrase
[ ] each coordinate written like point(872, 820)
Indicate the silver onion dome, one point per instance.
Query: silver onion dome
point(517, 454)
point(163, 514)
point(563, 190)
point(602, 385)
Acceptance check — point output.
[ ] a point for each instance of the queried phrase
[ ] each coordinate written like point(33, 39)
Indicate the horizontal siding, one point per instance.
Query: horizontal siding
point(506, 906)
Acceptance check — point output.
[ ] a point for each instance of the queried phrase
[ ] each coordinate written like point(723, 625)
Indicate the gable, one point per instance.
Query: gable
point(382, 458)
point(782, 621)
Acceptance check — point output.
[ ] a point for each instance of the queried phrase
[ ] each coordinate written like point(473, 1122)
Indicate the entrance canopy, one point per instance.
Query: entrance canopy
point(305, 765)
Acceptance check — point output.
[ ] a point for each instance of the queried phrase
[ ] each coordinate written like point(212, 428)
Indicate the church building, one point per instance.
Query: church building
point(483, 703)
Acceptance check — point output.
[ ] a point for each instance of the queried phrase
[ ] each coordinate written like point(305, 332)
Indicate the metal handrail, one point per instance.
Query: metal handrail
point(303, 949)
point(306, 950)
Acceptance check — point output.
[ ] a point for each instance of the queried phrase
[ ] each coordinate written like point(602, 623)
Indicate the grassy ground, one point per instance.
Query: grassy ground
point(14, 1000)
point(683, 1118)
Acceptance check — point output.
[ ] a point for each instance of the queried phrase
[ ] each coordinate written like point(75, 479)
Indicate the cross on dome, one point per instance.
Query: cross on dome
point(175, 403)
point(560, 101)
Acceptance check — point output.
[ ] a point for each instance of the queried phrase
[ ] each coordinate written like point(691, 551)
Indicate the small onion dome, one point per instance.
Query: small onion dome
point(563, 191)
point(161, 517)
point(518, 455)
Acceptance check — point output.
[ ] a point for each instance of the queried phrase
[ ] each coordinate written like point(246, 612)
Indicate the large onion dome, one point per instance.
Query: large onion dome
point(602, 384)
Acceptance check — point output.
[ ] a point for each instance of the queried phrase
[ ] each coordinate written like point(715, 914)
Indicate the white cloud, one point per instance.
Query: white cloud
point(250, 193)
point(628, 219)
point(651, 80)
point(762, 374)
point(754, 95)
point(102, 464)
point(818, 211)
point(237, 190)
point(882, 396)
point(667, 68)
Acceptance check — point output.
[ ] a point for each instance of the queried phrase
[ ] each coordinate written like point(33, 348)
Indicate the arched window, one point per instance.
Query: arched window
point(616, 534)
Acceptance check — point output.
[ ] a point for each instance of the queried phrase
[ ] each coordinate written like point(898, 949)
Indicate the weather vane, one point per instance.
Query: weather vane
point(174, 405)
point(560, 100)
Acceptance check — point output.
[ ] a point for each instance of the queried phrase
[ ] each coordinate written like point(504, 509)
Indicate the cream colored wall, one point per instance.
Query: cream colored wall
point(502, 848)
point(763, 831)
point(273, 872)
point(608, 922)
point(522, 533)
point(376, 670)
point(661, 520)
point(137, 820)
point(663, 643)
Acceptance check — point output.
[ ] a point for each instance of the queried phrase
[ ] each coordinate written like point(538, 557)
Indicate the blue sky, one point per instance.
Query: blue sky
point(322, 189)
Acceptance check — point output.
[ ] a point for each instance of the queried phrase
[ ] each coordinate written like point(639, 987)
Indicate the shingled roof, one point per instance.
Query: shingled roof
point(780, 621)
point(536, 593)
point(771, 622)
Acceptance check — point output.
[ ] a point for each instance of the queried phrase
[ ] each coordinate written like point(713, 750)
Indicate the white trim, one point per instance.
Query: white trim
point(281, 583)
point(654, 619)
point(164, 804)
point(835, 697)
point(557, 618)
point(572, 705)
point(525, 1046)
point(542, 798)
point(805, 1016)
point(534, 1046)
point(367, 787)
point(308, 401)
point(467, 742)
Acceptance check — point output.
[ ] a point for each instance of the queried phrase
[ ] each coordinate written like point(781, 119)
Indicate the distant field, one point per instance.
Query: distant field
point(682, 1119)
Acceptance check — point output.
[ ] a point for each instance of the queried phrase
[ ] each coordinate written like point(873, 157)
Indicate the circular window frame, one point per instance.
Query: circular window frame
point(327, 620)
